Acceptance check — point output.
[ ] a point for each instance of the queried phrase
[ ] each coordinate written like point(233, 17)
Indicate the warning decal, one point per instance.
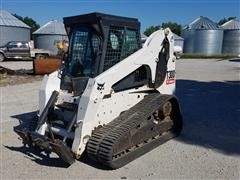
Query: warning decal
point(170, 77)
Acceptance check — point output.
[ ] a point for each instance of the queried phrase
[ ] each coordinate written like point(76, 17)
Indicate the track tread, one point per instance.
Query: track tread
point(101, 144)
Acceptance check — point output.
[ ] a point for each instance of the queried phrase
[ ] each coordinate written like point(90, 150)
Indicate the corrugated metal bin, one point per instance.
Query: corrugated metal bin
point(231, 38)
point(203, 36)
point(48, 36)
point(12, 29)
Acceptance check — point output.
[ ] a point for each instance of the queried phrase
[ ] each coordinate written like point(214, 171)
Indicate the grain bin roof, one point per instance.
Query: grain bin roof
point(203, 23)
point(52, 27)
point(7, 19)
point(233, 24)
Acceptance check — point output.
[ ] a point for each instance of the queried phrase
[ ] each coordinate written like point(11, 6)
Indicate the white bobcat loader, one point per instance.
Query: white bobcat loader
point(113, 99)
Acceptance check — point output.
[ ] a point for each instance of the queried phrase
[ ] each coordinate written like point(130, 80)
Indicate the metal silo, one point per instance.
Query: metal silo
point(143, 38)
point(48, 36)
point(188, 36)
point(12, 29)
point(231, 38)
point(203, 36)
point(178, 41)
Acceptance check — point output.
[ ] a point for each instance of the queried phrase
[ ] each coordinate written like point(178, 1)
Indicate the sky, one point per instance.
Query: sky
point(149, 12)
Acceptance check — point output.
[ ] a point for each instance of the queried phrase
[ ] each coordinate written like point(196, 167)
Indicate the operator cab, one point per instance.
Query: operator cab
point(97, 42)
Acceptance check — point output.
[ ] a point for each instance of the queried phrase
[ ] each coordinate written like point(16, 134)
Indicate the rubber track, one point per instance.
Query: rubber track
point(101, 144)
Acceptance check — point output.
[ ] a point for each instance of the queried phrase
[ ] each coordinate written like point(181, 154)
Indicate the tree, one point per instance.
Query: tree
point(30, 22)
point(151, 29)
point(222, 21)
point(176, 28)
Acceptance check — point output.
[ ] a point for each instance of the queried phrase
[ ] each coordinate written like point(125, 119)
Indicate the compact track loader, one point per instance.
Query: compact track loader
point(113, 98)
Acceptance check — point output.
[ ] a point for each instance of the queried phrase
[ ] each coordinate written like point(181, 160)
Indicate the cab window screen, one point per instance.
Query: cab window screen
point(130, 44)
point(83, 51)
point(121, 43)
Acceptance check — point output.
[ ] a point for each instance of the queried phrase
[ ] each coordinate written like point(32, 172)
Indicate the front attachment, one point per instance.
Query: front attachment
point(49, 142)
point(33, 139)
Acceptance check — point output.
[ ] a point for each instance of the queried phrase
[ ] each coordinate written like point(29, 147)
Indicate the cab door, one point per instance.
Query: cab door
point(24, 50)
point(12, 49)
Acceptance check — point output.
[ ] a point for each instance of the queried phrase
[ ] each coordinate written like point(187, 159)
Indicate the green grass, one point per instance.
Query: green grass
point(202, 56)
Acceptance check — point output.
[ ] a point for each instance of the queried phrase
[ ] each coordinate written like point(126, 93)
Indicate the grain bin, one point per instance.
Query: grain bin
point(12, 29)
point(203, 36)
point(143, 38)
point(188, 35)
point(48, 36)
point(178, 41)
point(231, 38)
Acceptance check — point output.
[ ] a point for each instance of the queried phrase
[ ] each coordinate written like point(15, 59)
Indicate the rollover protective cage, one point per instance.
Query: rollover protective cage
point(120, 36)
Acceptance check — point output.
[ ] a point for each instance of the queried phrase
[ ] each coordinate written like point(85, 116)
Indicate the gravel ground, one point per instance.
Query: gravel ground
point(17, 64)
point(208, 148)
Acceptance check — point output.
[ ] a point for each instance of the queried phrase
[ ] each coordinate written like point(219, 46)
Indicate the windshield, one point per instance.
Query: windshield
point(82, 53)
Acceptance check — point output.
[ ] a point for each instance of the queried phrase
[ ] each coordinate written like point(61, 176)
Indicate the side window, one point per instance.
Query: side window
point(12, 45)
point(114, 47)
point(23, 46)
point(131, 43)
point(19, 45)
point(122, 42)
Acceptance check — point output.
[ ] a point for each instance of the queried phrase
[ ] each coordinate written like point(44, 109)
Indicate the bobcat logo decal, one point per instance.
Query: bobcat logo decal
point(100, 86)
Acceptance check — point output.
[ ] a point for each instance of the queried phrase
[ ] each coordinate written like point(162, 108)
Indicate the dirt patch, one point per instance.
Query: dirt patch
point(14, 77)
point(20, 79)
